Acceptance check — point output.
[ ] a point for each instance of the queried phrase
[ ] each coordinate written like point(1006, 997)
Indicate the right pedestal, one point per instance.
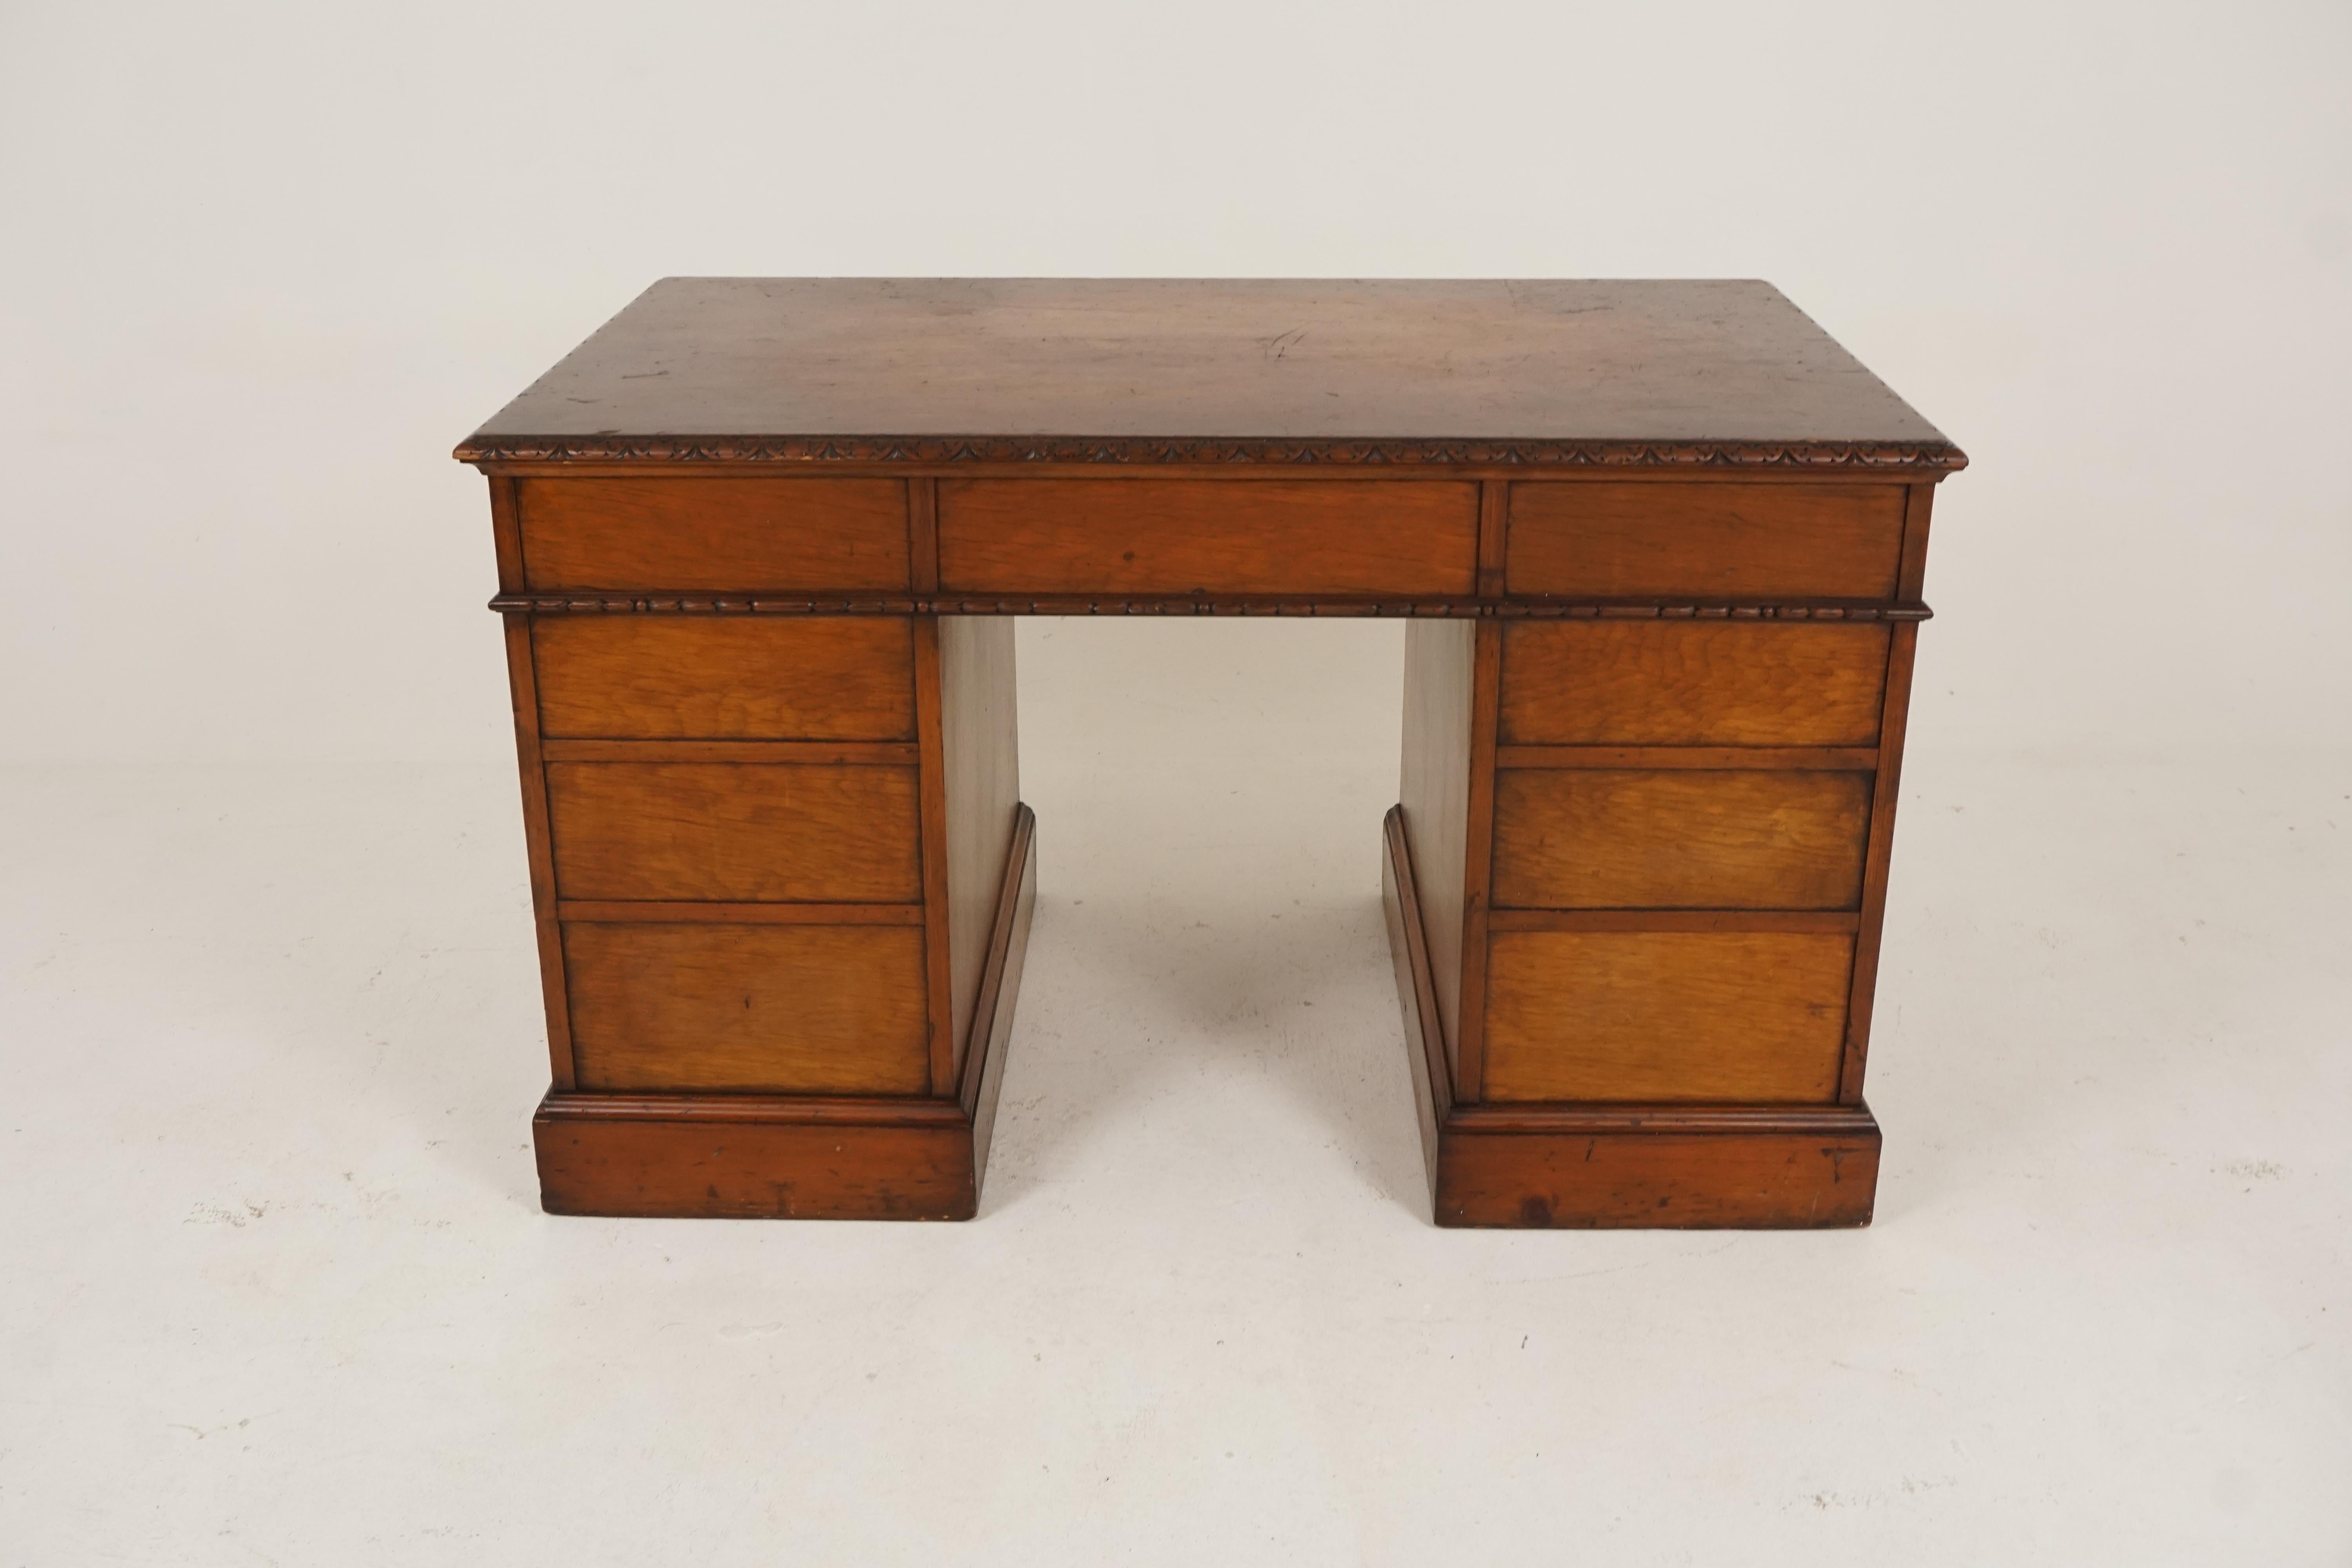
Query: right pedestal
point(1638, 869)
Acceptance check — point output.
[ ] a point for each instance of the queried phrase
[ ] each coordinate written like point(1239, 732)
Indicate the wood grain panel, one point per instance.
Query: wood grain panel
point(717, 532)
point(732, 831)
point(1731, 541)
point(980, 759)
point(1596, 839)
point(1189, 536)
point(1692, 683)
point(1666, 1015)
point(724, 678)
point(1611, 1179)
point(1435, 795)
point(785, 1008)
point(600, 1159)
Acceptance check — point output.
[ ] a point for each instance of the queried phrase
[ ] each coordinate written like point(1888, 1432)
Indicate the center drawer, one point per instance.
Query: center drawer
point(734, 832)
point(1208, 536)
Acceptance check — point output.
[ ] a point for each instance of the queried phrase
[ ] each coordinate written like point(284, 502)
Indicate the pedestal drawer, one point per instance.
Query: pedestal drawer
point(714, 534)
point(1755, 1016)
point(780, 1008)
point(725, 678)
point(1595, 838)
point(1692, 683)
point(734, 832)
point(1708, 540)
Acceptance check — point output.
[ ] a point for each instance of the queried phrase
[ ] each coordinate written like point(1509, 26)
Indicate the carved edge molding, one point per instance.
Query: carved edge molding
point(593, 604)
point(1937, 457)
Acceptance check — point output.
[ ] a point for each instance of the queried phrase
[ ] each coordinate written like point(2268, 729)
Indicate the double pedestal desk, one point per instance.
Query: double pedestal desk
point(1659, 549)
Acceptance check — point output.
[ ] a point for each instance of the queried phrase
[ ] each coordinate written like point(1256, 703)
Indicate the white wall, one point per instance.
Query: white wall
point(263, 266)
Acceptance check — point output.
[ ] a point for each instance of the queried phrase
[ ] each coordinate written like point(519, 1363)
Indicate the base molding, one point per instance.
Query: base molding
point(756, 1156)
point(1568, 1166)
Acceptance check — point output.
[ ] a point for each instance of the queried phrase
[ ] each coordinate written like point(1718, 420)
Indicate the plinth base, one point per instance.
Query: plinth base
point(1575, 1166)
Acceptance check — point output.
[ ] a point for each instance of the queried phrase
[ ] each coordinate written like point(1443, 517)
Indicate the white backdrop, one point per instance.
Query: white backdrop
point(277, 1288)
point(267, 264)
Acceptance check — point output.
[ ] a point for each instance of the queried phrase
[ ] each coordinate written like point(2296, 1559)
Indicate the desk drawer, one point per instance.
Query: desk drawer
point(728, 536)
point(734, 832)
point(1667, 1015)
point(786, 1009)
point(725, 678)
point(1692, 683)
point(1208, 536)
point(1575, 838)
point(1720, 541)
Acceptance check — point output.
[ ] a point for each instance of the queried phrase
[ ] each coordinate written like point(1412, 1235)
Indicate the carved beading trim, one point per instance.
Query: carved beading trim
point(614, 604)
point(1211, 451)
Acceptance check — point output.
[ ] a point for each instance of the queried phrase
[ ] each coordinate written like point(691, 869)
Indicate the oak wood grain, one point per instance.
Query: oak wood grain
point(780, 1008)
point(1434, 795)
point(1862, 1005)
point(1607, 541)
point(538, 856)
point(717, 532)
point(1758, 1180)
point(731, 831)
point(981, 770)
point(597, 1158)
point(1431, 1073)
point(733, 677)
point(983, 1083)
point(1666, 1015)
point(1119, 369)
point(1202, 536)
point(1682, 683)
point(1594, 838)
point(1478, 861)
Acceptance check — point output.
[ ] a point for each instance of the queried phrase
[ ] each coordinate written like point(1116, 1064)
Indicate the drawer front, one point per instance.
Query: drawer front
point(1691, 683)
point(1735, 540)
point(1667, 1015)
point(783, 1008)
point(724, 677)
point(734, 832)
point(1605, 839)
point(1208, 536)
point(714, 534)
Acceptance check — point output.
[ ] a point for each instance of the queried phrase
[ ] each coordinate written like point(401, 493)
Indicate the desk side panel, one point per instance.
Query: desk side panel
point(1434, 792)
point(980, 763)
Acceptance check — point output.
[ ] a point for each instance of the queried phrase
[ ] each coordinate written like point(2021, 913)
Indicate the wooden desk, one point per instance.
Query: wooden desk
point(1660, 546)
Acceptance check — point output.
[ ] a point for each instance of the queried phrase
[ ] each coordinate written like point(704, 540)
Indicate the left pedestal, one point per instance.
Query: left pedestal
point(782, 883)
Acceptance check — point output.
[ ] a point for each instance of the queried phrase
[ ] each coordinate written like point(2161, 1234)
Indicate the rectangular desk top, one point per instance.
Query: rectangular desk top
point(1637, 373)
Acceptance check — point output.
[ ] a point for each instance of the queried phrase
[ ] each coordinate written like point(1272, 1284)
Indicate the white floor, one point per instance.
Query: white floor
point(277, 1289)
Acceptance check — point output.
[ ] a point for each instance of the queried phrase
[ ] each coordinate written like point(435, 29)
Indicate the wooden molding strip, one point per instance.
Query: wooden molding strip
point(1821, 920)
point(843, 1110)
point(1936, 458)
point(1827, 1120)
point(861, 753)
point(1818, 758)
point(627, 912)
point(617, 602)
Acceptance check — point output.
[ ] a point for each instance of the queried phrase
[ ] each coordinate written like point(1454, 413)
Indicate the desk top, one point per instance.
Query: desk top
point(1652, 373)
